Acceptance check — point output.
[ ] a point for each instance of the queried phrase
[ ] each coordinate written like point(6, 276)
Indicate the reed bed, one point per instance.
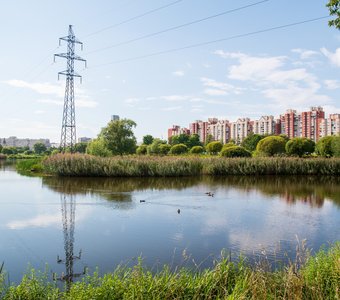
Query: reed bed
point(317, 277)
point(157, 166)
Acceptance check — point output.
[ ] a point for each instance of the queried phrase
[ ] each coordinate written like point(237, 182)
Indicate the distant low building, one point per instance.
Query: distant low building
point(114, 118)
point(13, 141)
point(84, 140)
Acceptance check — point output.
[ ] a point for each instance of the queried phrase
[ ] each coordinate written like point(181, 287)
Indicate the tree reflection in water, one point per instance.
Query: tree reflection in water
point(308, 189)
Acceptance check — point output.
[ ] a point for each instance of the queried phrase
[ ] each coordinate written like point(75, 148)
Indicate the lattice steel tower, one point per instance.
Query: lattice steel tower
point(68, 129)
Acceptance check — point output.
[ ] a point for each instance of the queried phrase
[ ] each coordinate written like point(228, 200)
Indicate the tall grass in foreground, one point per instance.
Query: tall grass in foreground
point(316, 278)
point(129, 166)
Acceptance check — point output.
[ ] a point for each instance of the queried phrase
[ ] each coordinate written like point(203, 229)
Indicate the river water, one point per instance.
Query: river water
point(104, 222)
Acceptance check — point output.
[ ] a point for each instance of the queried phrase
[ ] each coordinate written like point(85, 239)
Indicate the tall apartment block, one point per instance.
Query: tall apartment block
point(330, 126)
point(266, 125)
point(310, 123)
point(177, 130)
point(290, 123)
point(219, 130)
point(240, 129)
point(201, 128)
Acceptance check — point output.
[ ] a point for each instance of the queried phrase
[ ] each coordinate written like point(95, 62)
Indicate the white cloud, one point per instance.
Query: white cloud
point(215, 92)
point(51, 101)
point(334, 58)
point(41, 88)
point(286, 85)
point(39, 112)
point(38, 221)
point(132, 100)
point(217, 88)
point(305, 54)
point(175, 97)
point(57, 90)
point(332, 84)
point(173, 108)
point(81, 102)
point(178, 73)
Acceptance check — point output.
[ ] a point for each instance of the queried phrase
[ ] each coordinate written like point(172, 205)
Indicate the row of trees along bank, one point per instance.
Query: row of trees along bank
point(117, 138)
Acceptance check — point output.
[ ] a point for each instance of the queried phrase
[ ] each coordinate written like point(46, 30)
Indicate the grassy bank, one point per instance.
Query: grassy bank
point(318, 277)
point(135, 166)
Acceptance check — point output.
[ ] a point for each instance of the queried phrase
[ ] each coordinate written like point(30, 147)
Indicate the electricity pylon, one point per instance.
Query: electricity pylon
point(68, 128)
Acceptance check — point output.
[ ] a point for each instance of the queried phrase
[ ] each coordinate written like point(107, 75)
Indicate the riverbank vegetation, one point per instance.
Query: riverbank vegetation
point(157, 166)
point(309, 277)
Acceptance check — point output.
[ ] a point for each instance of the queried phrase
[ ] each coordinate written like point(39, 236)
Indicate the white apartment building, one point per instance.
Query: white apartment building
point(240, 129)
point(265, 125)
point(219, 129)
point(330, 126)
point(13, 141)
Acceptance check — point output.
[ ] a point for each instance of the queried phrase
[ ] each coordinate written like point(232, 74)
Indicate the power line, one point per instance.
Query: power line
point(210, 42)
point(179, 26)
point(133, 18)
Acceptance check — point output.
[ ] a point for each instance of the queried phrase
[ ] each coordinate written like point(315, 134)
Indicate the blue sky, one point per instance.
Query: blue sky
point(267, 73)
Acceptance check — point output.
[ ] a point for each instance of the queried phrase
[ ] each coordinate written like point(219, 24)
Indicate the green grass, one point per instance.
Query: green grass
point(166, 166)
point(29, 165)
point(315, 277)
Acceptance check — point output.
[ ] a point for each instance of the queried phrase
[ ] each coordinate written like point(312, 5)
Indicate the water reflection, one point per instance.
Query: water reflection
point(68, 211)
point(311, 190)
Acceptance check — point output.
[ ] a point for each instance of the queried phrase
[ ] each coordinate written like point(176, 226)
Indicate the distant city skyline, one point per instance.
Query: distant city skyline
point(155, 63)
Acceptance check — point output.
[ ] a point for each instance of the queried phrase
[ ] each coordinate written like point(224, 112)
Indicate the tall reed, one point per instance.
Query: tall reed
point(146, 166)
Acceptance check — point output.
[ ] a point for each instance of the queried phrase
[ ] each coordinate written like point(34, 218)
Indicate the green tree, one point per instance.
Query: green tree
point(98, 147)
point(148, 139)
point(235, 151)
point(336, 146)
point(80, 147)
point(178, 149)
point(194, 140)
point(214, 147)
point(154, 147)
point(300, 146)
point(324, 146)
point(9, 150)
point(334, 10)
point(118, 137)
point(197, 150)
point(251, 141)
point(270, 146)
point(39, 148)
point(0, 148)
point(142, 149)
point(179, 139)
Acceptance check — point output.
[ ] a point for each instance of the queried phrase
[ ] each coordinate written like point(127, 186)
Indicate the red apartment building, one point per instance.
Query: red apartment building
point(310, 123)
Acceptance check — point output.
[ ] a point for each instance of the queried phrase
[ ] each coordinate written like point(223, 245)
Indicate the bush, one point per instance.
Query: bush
point(235, 151)
point(164, 149)
point(196, 150)
point(336, 146)
point(324, 146)
point(214, 147)
point(300, 146)
point(178, 149)
point(270, 146)
point(142, 149)
point(228, 145)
